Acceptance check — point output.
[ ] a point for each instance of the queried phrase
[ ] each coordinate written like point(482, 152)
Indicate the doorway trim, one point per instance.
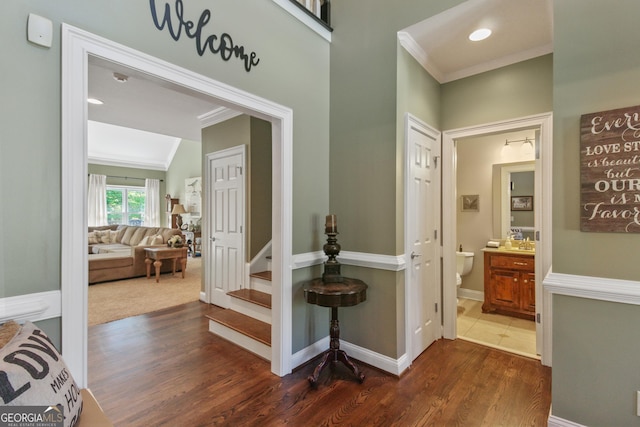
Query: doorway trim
point(77, 45)
point(544, 163)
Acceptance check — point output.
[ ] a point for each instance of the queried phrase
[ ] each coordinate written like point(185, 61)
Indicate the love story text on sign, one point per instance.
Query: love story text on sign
point(610, 171)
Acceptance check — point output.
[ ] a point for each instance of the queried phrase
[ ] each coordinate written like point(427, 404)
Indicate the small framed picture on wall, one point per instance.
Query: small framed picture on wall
point(521, 203)
point(470, 203)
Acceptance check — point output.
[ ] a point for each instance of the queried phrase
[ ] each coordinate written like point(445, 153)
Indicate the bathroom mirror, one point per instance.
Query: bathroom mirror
point(512, 179)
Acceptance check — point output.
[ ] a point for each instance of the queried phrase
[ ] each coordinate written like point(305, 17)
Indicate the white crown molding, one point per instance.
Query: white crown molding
point(218, 115)
point(414, 49)
point(127, 164)
point(598, 288)
point(498, 63)
point(304, 18)
point(32, 307)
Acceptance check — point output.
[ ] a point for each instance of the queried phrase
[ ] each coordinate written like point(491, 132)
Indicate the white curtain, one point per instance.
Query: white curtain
point(152, 203)
point(97, 199)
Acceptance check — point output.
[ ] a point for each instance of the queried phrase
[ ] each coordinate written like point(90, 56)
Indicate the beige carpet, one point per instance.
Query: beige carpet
point(125, 298)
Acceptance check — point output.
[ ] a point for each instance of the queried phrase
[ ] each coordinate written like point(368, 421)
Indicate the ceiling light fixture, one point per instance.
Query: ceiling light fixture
point(95, 101)
point(479, 34)
point(121, 78)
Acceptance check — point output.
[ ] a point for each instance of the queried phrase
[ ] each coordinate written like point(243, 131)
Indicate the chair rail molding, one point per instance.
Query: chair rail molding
point(598, 288)
point(31, 307)
point(359, 259)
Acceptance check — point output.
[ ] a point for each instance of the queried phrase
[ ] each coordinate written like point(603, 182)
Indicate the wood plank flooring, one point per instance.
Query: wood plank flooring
point(166, 369)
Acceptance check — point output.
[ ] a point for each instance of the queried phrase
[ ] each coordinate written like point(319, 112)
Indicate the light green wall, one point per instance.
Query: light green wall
point(368, 82)
point(186, 163)
point(517, 90)
point(261, 191)
point(595, 372)
point(595, 368)
point(293, 61)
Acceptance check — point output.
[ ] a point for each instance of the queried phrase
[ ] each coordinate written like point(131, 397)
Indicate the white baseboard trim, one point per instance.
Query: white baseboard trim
point(385, 363)
point(554, 421)
point(598, 288)
point(360, 259)
point(303, 356)
point(32, 307)
point(203, 297)
point(471, 294)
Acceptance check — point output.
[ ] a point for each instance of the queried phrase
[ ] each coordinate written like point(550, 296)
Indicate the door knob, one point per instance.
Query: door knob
point(213, 239)
point(414, 255)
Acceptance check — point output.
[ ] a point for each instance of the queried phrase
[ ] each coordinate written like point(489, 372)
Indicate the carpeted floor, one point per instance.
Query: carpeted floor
point(125, 298)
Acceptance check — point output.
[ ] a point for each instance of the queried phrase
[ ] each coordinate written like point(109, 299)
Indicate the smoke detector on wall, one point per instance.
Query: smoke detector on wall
point(121, 78)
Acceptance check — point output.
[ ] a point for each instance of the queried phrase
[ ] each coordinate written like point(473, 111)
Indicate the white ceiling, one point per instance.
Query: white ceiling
point(522, 29)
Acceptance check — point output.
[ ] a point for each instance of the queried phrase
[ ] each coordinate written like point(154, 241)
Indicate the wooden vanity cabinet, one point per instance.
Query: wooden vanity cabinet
point(509, 284)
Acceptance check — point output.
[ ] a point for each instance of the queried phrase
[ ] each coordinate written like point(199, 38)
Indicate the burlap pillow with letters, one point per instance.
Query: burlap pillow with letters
point(32, 373)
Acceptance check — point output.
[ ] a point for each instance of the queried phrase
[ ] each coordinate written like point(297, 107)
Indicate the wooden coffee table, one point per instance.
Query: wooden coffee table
point(157, 254)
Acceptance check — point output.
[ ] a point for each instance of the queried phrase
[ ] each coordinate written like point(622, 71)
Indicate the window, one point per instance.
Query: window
point(125, 205)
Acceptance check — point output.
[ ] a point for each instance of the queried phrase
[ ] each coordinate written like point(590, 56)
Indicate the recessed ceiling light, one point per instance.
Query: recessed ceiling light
point(95, 101)
point(480, 34)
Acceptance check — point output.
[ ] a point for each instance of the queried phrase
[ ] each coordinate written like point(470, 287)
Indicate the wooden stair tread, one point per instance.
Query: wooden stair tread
point(256, 297)
point(246, 325)
point(265, 275)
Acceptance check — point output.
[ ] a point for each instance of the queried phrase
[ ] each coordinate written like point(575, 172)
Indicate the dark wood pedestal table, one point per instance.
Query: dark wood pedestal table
point(344, 293)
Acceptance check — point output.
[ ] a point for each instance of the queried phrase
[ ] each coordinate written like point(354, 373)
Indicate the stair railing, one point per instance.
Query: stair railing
point(319, 9)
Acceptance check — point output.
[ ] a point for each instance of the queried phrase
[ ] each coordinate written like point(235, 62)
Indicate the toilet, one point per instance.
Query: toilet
point(464, 263)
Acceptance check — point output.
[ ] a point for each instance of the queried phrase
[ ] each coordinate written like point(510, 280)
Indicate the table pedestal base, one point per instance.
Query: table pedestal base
point(334, 354)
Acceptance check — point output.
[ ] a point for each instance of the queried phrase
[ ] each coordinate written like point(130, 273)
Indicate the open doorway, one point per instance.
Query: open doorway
point(77, 46)
point(140, 131)
point(493, 307)
point(451, 203)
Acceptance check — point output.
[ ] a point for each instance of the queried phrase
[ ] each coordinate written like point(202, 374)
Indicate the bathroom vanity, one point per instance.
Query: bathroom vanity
point(509, 282)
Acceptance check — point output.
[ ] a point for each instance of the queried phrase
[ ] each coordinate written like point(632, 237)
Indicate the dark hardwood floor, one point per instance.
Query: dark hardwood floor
point(166, 369)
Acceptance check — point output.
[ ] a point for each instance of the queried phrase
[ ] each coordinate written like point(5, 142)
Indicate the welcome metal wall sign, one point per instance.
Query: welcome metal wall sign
point(610, 171)
point(175, 22)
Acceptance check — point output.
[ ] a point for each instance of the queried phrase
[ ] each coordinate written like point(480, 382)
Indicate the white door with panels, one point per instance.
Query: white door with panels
point(422, 235)
point(226, 218)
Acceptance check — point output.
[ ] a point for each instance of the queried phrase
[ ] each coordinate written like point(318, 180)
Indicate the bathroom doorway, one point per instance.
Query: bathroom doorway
point(477, 142)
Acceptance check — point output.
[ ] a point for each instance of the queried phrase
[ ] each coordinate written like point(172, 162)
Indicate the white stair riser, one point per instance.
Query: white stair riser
point(250, 309)
point(241, 340)
point(260, 285)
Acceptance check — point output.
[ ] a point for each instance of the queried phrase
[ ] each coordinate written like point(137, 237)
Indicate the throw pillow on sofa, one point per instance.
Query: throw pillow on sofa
point(93, 239)
point(32, 373)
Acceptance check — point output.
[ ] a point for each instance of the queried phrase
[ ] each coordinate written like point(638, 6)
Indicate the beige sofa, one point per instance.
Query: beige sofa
point(117, 252)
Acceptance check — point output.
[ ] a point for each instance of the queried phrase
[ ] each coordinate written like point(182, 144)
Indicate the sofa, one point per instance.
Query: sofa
point(117, 251)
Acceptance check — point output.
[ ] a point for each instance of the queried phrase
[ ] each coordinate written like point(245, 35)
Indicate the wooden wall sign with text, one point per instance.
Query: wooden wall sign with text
point(610, 171)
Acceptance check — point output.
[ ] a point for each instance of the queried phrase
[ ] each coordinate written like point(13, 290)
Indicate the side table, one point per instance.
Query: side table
point(159, 253)
point(344, 293)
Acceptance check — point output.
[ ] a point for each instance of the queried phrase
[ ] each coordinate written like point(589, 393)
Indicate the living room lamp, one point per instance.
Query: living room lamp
point(178, 209)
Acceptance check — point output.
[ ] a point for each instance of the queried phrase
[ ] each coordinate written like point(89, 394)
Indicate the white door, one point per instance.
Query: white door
point(422, 234)
point(227, 215)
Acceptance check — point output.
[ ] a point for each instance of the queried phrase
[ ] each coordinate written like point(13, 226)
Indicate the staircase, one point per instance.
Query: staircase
point(247, 321)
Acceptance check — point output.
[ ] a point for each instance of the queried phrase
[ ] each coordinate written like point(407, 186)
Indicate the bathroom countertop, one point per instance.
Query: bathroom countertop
point(502, 249)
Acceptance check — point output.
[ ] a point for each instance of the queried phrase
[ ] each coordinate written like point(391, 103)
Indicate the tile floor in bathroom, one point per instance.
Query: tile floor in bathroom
point(495, 330)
